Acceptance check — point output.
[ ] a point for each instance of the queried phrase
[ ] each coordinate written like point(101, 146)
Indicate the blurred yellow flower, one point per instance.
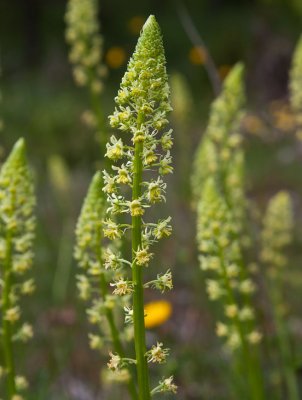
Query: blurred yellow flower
point(197, 55)
point(115, 57)
point(282, 115)
point(136, 23)
point(254, 125)
point(157, 312)
point(223, 70)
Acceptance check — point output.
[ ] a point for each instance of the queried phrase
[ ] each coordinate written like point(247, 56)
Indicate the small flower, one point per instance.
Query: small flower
point(21, 383)
point(155, 191)
point(149, 156)
point(95, 342)
point(254, 337)
point(25, 333)
point(83, 286)
point(163, 282)
point(122, 175)
point(109, 183)
point(163, 229)
point(166, 140)
point(167, 385)
point(214, 289)
point(164, 165)
point(28, 287)
point(122, 287)
point(157, 354)
point(246, 314)
point(114, 362)
point(115, 150)
point(247, 286)
point(111, 230)
point(12, 314)
point(231, 310)
point(136, 208)
point(221, 329)
point(111, 260)
point(17, 397)
point(142, 256)
point(233, 341)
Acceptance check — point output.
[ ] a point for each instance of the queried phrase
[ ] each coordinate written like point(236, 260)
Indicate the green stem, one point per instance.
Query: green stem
point(138, 294)
point(254, 356)
point(283, 340)
point(256, 388)
point(6, 325)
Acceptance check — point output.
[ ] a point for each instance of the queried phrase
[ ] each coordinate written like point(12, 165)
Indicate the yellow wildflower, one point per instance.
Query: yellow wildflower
point(157, 312)
point(197, 55)
point(115, 57)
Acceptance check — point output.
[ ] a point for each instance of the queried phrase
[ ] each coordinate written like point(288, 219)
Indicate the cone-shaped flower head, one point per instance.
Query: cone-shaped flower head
point(89, 226)
point(277, 230)
point(17, 202)
point(221, 139)
point(144, 89)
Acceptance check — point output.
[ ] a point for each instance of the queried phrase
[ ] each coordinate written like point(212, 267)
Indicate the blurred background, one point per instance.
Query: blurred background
point(41, 102)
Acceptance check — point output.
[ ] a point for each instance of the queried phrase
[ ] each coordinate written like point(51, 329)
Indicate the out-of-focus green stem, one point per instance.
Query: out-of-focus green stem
point(283, 341)
point(248, 364)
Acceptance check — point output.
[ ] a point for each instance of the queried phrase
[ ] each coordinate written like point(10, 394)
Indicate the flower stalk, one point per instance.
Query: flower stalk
point(95, 278)
point(142, 108)
point(276, 236)
point(17, 225)
point(218, 190)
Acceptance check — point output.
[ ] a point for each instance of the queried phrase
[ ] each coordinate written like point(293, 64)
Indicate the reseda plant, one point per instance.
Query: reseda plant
point(99, 266)
point(276, 235)
point(86, 44)
point(219, 192)
point(17, 225)
point(142, 107)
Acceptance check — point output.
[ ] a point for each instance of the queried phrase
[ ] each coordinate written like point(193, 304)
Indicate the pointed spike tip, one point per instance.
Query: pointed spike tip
point(149, 22)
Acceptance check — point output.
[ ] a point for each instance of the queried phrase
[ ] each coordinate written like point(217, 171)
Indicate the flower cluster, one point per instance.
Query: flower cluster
point(219, 153)
point(277, 232)
point(82, 34)
point(94, 259)
point(17, 226)
point(142, 108)
point(221, 258)
point(295, 84)
point(100, 264)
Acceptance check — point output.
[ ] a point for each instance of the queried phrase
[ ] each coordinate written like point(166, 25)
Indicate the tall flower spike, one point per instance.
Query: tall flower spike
point(142, 107)
point(220, 260)
point(17, 225)
point(99, 266)
point(277, 233)
point(221, 139)
point(82, 34)
point(295, 84)
point(86, 48)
